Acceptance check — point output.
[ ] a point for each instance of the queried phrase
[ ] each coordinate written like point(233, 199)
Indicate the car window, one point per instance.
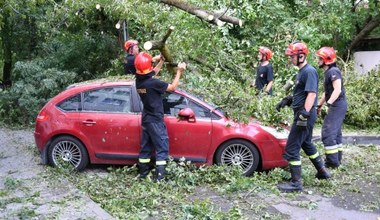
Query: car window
point(110, 99)
point(199, 111)
point(71, 104)
point(174, 102)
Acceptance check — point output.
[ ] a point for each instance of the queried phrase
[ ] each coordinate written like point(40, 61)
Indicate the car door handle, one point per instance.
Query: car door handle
point(89, 122)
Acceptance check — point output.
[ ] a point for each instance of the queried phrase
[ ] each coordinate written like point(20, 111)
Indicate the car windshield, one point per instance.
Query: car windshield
point(211, 105)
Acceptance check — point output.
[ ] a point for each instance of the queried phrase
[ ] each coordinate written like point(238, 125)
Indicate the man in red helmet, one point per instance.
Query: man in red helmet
point(264, 72)
point(154, 132)
point(303, 102)
point(132, 49)
point(335, 97)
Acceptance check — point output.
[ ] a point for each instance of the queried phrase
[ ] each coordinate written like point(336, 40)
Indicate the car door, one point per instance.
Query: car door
point(189, 139)
point(112, 129)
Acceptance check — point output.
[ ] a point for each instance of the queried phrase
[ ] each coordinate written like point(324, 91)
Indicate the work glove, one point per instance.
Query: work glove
point(302, 119)
point(287, 101)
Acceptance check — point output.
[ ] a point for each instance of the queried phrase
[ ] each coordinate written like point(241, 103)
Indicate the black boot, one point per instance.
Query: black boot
point(332, 160)
point(144, 169)
point(340, 156)
point(295, 185)
point(322, 173)
point(160, 173)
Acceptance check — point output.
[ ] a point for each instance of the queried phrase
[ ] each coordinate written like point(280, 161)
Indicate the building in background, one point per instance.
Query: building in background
point(366, 61)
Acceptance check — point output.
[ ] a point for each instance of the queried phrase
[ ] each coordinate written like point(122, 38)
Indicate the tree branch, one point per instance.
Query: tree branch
point(369, 26)
point(210, 17)
point(161, 46)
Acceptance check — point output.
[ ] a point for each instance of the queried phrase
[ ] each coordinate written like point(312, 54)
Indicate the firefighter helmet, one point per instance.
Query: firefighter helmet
point(130, 43)
point(143, 63)
point(296, 48)
point(266, 52)
point(327, 54)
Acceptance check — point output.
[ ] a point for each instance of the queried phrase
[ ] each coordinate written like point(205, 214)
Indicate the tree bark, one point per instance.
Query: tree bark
point(6, 36)
point(161, 46)
point(211, 17)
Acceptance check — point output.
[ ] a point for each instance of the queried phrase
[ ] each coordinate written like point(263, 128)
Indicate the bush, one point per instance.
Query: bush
point(33, 86)
point(363, 100)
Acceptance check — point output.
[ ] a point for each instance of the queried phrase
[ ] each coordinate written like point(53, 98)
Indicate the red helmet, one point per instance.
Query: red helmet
point(143, 63)
point(266, 52)
point(328, 55)
point(296, 48)
point(130, 43)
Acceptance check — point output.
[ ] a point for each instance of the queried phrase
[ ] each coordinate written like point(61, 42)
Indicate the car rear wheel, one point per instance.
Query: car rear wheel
point(66, 150)
point(239, 153)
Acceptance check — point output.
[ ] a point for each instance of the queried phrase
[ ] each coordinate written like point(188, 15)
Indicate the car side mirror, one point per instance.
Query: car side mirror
point(186, 113)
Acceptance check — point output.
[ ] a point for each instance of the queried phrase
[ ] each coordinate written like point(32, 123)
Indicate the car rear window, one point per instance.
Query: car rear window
point(110, 99)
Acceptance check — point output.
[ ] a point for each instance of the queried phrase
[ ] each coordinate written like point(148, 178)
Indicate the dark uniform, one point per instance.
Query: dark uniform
point(154, 132)
point(264, 74)
point(300, 137)
point(129, 64)
point(332, 124)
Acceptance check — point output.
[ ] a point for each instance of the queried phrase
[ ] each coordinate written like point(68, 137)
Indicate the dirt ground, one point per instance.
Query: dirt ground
point(26, 193)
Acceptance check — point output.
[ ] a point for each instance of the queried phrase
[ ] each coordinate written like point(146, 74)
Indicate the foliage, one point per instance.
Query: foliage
point(77, 37)
point(34, 86)
point(363, 100)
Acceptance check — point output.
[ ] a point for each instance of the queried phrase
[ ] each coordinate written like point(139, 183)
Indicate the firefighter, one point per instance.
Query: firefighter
point(335, 98)
point(303, 103)
point(264, 72)
point(132, 49)
point(154, 132)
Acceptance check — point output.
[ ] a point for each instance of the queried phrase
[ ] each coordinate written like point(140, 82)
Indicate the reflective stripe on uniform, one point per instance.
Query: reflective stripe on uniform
point(295, 163)
point(332, 147)
point(161, 162)
point(314, 156)
point(340, 147)
point(143, 160)
point(334, 151)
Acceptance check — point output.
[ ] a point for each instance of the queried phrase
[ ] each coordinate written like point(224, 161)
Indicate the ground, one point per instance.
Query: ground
point(25, 193)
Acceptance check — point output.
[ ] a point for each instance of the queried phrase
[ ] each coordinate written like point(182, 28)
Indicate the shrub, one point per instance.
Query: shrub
point(33, 86)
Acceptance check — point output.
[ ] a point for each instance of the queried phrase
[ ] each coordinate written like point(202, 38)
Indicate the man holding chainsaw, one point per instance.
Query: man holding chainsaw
point(154, 132)
point(132, 49)
point(303, 102)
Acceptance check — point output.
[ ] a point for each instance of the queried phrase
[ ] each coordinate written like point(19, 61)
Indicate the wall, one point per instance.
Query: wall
point(366, 61)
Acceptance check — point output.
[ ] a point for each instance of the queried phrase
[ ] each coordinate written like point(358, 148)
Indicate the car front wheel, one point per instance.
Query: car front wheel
point(66, 150)
point(239, 153)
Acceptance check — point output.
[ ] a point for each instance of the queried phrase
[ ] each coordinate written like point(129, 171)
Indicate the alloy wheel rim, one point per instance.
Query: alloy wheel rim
point(67, 152)
point(238, 155)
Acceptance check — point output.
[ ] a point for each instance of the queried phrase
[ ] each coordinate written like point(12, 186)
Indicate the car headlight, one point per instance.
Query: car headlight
point(277, 133)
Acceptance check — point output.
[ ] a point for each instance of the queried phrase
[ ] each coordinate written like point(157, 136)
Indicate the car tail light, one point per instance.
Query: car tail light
point(42, 116)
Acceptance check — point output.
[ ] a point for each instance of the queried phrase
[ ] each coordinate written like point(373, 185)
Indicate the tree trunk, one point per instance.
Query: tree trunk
point(6, 36)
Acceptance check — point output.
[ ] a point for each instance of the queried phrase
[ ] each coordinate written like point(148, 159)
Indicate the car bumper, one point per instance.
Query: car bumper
point(41, 147)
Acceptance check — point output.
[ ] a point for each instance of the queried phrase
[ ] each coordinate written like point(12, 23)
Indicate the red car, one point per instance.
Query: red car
point(100, 123)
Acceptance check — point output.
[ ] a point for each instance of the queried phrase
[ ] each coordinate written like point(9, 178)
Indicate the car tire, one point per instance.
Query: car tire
point(238, 153)
point(67, 150)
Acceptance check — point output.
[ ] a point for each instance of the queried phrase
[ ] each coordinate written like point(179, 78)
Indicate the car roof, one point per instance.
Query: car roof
point(102, 82)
